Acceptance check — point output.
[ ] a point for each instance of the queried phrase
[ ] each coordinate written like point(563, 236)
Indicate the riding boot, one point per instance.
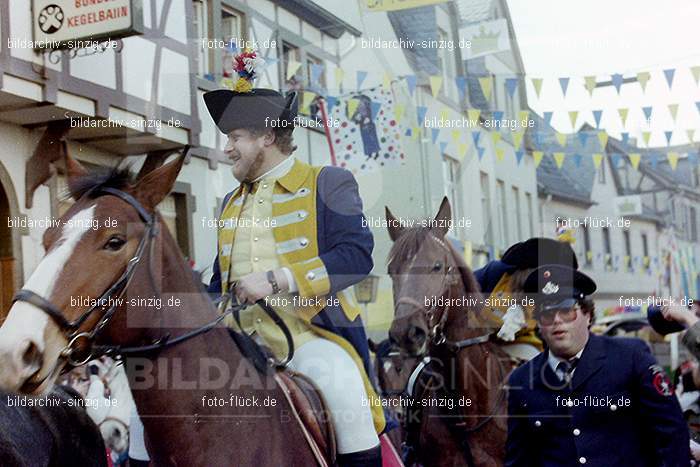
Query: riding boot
point(368, 458)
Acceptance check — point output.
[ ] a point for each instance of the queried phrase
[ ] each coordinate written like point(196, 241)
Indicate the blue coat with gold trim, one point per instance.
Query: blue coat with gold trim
point(618, 411)
point(343, 243)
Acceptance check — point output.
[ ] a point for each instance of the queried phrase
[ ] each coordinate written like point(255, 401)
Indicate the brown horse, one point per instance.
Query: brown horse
point(201, 402)
point(461, 411)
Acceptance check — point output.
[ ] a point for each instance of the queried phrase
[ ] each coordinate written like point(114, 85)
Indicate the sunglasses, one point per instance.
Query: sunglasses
point(566, 311)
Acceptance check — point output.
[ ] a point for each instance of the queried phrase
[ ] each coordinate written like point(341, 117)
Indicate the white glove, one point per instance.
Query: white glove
point(513, 321)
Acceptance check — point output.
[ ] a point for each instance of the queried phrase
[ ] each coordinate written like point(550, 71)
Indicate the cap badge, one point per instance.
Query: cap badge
point(550, 288)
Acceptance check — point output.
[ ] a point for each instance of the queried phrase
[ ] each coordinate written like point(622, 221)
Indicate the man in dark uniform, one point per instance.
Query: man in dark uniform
point(589, 399)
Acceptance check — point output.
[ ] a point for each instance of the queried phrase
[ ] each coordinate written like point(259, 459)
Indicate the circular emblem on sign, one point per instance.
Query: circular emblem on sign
point(50, 19)
point(547, 274)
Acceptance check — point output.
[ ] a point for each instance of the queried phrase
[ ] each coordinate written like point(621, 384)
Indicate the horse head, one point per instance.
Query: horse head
point(89, 252)
point(424, 267)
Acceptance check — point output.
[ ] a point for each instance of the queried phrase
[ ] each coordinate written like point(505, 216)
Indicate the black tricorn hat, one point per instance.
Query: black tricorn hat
point(661, 324)
point(259, 108)
point(554, 283)
point(537, 251)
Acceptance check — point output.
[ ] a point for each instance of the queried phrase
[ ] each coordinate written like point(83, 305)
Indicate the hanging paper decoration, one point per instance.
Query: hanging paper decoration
point(398, 111)
point(473, 115)
point(669, 76)
point(669, 135)
point(559, 158)
point(590, 84)
point(645, 136)
point(498, 115)
point(653, 159)
point(643, 78)
point(573, 115)
point(647, 112)
point(537, 157)
point(695, 70)
point(387, 80)
point(444, 114)
point(564, 83)
point(518, 138)
point(617, 81)
point(331, 102)
point(443, 146)
point(583, 137)
point(421, 110)
point(361, 75)
point(495, 137)
point(375, 106)
point(435, 84)
point(603, 138)
point(577, 159)
point(597, 159)
point(537, 84)
point(511, 86)
point(455, 134)
point(339, 75)
point(292, 67)
point(623, 115)
point(411, 80)
point(625, 137)
point(673, 159)
point(634, 159)
point(307, 98)
point(524, 115)
point(486, 86)
point(480, 152)
point(461, 83)
point(673, 110)
point(476, 134)
point(561, 138)
point(500, 153)
point(615, 159)
point(434, 134)
point(519, 156)
point(362, 143)
point(548, 117)
point(462, 150)
point(597, 114)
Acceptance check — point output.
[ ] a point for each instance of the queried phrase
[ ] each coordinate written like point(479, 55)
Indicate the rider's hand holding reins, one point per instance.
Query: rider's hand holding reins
point(255, 286)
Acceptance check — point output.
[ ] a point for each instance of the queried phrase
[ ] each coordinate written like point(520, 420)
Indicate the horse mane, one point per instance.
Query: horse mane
point(116, 177)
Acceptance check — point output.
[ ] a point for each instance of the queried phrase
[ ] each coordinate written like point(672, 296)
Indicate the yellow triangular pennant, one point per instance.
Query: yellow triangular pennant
point(473, 115)
point(462, 150)
point(673, 109)
point(307, 98)
point(387, 80)
point(537, 83)
point(673, 159)
point(352, 106)
point(524, 116)
point(537, 157)
point(561, 138)
point(486, 86)
point(416, 132)
point(398, 112)
point(603, 138)
point(643, 78)
point(597, 159)
point(518, 138)
point(455, 135)
point(634, 159)
point(292, 67)
point(590, 84)
point(435, 84)
point(500, 153)
point(573, 115)
point(559, 158)
point(495, 137)
point(645, 136)
point(444, 114)
point(623, 114)
point(696, 73)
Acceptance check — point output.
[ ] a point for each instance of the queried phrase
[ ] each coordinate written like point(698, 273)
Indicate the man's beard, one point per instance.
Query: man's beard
point(253, 168)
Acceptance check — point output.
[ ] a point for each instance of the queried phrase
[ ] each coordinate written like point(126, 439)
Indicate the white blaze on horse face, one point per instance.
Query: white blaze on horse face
point(25, 321)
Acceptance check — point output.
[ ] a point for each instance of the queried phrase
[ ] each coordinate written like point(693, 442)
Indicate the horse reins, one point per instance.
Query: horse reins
point(79, 340)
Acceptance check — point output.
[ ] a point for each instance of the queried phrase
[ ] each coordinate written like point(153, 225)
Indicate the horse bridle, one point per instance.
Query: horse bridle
point(79, 340)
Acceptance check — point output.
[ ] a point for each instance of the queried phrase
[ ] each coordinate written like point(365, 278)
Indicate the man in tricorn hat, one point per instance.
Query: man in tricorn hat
point(588, 399)
point(293, 234)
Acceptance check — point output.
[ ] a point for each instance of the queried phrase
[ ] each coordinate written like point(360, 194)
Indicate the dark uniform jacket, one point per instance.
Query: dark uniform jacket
point(618, 410)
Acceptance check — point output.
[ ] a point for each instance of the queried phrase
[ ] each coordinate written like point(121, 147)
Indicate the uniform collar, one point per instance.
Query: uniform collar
point(278, 171)
point(293, 179)
point(554, 361)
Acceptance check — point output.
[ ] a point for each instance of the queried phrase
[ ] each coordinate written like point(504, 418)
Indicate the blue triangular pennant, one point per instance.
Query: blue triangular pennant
point(361, 75)
point(669, 135)
point(548, 117)
point(435, 132)
point(511, 85)
point(375, 106)
point(617, 80)
point(653, 160)
point(564, 83)
point(539, 138)
point(461, 83)
point(647, 112)
point(408, 132)
point(583, 137)
point(615, 159)
point(577, 159)
point(625, 137)
point(481, 152)
point(498, 115)
point(669, 76)
point(443, 145)
point(411, 81)
point(332, 102)
point(597, 114)
point(475, 136)
point(519, 155)
point(421, 110)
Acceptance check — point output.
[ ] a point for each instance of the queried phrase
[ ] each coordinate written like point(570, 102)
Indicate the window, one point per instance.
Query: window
point(628, 250)
point(232, 31)
point(201, 27)
point(451, 180)
point(291, 54)
point(607, 260)
point(503, 210)
point(530, 215)
point(587, 254)
point(517, 214)
point(315, 63)
point(486, 208)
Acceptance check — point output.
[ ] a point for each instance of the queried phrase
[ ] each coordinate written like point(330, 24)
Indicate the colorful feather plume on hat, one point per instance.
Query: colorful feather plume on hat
point(246, 65)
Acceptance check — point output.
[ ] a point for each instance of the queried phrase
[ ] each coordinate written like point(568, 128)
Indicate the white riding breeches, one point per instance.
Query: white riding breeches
point(335, 374)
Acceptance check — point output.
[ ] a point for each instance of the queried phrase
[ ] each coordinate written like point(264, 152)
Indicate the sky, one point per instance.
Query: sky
point(602, 37)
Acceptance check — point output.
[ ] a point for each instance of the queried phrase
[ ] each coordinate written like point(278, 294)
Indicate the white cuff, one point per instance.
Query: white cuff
point(290, 280)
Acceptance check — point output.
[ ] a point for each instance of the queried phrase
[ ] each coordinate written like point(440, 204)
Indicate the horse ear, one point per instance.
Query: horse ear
point(74, 171)
point(393, 225)
point(154, 186)
point(443, 218)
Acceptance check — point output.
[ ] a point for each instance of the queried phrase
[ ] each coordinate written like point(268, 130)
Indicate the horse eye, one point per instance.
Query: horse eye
point(115, 243)
point(438, 266)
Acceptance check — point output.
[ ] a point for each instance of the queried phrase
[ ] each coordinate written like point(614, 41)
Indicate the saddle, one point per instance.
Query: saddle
point(310, 411)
